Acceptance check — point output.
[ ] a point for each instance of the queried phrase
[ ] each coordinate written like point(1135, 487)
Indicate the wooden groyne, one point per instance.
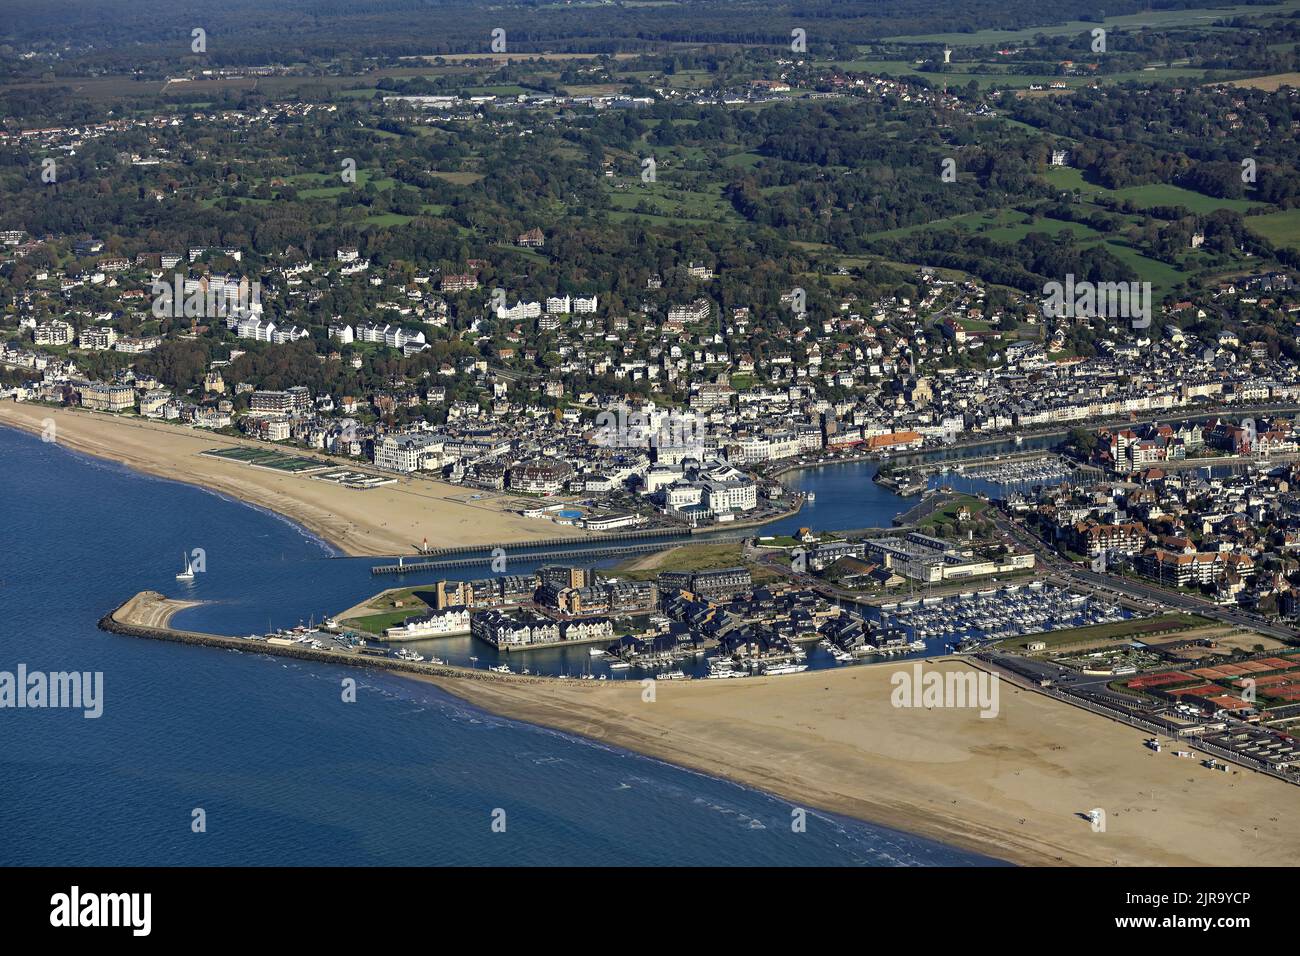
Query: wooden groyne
point(113, 623)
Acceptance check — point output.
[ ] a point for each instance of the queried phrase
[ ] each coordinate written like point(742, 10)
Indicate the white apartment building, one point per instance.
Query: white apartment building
point(520, 310)
point(408, 453)
point(56, 332)
point(99, 338)
point(724, 497)
point(255, 329)
point(452, 620)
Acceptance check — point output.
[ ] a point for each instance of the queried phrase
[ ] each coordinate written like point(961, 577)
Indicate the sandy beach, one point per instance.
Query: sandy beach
point(1017, 786)
point(389, 520)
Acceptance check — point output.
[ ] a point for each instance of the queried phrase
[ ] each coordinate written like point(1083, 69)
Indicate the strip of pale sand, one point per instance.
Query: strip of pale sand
point(151, 609)
point(1017, 786)
point(391, 519)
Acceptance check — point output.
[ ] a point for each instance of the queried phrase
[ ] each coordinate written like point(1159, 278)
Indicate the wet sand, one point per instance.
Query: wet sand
point(1017, 786)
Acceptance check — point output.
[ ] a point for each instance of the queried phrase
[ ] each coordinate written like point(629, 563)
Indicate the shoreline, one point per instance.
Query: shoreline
point(1010, 789)
point(979, 799)
point(386, 521)
point(1015, 788)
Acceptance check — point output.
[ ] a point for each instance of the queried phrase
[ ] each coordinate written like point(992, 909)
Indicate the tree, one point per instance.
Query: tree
point(1083, 441)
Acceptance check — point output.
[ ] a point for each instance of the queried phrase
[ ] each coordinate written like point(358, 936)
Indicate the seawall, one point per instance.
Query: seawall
point(113, 623)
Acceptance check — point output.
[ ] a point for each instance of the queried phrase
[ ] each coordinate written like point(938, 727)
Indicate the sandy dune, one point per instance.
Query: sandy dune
point(393, 519)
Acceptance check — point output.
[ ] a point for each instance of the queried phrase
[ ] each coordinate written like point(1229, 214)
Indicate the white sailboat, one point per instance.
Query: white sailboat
point(188, 573)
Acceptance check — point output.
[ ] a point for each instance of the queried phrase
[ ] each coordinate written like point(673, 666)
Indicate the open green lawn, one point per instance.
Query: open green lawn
point(1279, 228)
point(387, 219)
point(668, 200)
point(1161, 194)
point(948, 513)
point(387, 614)
point(265, 458)
point(742, 160)
point(378, 623)
point(325, 192)
point(1118, 631)
point(690, 557)
point(1161, 275)
point(1145, 197)
point(1003, 225)
point(1017, 231)
point(459, 178)
point(986, 74)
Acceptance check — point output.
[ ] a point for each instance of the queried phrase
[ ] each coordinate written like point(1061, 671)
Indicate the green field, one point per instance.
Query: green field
point(387, 613)
point(1146, 197)
point(690, 557)
point(387, 219)
point(377, 623)
point(948, 513)
point(1279, 228)
point(1117, 631)
point(1201, 16)
point(670, 203)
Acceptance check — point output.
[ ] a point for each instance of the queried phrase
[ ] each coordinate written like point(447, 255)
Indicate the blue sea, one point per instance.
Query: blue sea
point(284, 771)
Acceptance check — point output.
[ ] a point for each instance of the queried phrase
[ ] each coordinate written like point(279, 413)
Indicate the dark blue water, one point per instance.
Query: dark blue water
point(284, 770)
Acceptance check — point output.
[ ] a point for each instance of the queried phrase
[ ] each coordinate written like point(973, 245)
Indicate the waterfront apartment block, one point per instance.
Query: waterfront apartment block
point(434, 624)
point(106, 398)
point(275, 404)
point(719, 584)
point(486, 592)
point(1199, 568)
point(408, 453)
point(609, 597)
point(1093, 538)
point(521, 629)
point(503, 630)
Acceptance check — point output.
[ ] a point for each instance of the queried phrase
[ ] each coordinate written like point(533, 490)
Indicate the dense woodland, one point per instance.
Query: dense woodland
point(144, 35)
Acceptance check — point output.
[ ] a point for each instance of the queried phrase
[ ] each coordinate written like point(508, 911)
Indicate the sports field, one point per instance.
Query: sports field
point(265, 458)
